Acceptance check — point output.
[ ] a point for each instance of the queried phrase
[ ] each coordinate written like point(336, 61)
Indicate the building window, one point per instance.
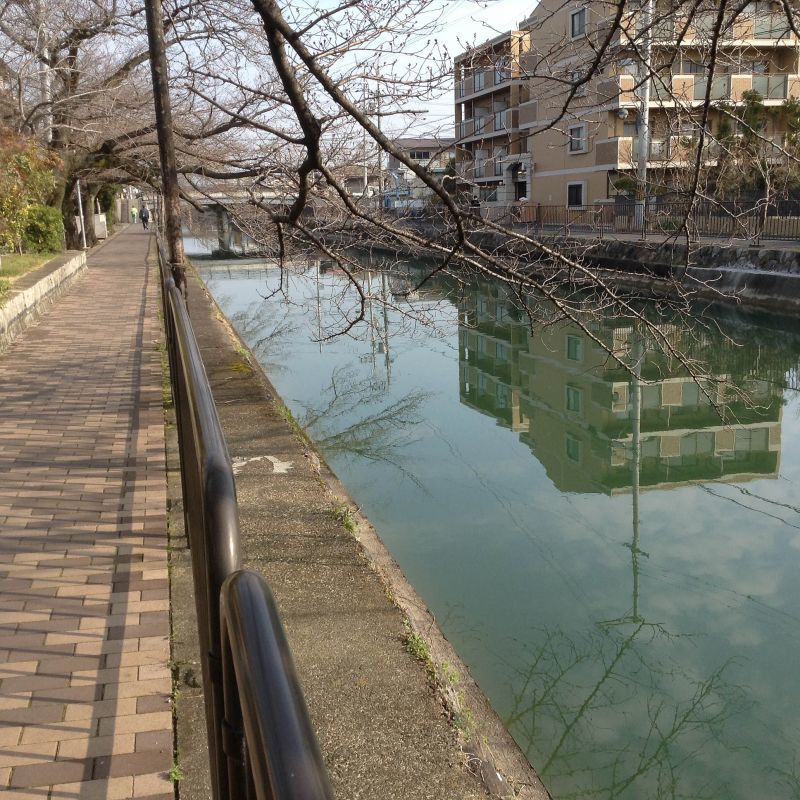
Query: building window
point(503, 395)
point(574, 398)
point(572, 448)
point(420, 155)
point(577, 23)
point(575, 195)
point(578, 139)
point(488, 194)
point(480, 81)
point(574, 348)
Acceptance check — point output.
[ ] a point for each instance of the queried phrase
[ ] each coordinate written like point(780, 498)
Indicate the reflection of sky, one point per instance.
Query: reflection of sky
point(502, 556)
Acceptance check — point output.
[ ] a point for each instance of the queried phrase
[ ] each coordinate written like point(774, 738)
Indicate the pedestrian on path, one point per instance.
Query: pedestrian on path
point(144, 215)
point(133, 215)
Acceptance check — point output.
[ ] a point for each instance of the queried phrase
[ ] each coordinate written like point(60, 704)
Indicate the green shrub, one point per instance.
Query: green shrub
point(44, 230)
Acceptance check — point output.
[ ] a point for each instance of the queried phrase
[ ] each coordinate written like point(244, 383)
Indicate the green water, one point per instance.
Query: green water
point(617, 566)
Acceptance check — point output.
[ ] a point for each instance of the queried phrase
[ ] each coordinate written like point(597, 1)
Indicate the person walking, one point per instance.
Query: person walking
point(133, 215)
point(144, 215)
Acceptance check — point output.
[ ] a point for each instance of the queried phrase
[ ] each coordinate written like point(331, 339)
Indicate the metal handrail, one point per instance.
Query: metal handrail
point(259, 665)
point(267, 714)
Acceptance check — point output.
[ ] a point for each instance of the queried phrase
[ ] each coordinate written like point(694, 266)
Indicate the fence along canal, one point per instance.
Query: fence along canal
point(260, 740)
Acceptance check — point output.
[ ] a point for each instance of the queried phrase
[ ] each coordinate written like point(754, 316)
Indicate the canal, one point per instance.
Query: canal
point(616, 564)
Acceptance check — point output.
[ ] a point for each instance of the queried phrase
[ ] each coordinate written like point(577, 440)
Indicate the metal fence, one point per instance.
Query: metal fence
point(723, 220)
point(261, 744)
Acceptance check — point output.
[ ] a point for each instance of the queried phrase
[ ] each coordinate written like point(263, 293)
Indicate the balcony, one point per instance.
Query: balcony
point(720, 88)
point(669, 149)
point(465, 128)
point(483, 79)
point(771, 87)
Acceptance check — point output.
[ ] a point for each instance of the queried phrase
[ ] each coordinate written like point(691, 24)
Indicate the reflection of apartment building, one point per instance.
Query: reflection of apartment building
point(403, 189)
point(490, 153)
point(575, 410)
point(583, 123)
point(491, 339)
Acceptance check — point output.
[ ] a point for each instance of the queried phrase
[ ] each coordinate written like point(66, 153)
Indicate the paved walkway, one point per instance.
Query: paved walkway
point(84, 597)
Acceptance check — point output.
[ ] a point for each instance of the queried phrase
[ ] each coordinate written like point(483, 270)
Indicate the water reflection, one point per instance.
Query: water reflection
point(610, 546)
point(577, 410)
point(611, 712)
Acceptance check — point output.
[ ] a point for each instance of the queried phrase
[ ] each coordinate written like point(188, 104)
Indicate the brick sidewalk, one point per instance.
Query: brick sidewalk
point(84, 595)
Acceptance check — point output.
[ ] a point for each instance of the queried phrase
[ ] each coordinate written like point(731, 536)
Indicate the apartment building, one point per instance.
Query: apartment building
point(491, 161)
point(403, 189)
point(594, 90)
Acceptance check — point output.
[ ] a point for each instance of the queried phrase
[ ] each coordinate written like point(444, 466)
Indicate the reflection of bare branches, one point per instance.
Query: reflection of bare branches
point(268, 337)
point(601, 715)
point(379, 435)
point(790, 779)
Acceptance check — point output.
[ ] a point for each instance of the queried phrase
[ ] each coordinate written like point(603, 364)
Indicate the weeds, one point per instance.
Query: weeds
point(175, 772)
point(343, 514)
point(286, 413)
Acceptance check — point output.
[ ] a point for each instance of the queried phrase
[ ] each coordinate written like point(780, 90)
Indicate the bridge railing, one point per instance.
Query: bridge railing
point(260, 741)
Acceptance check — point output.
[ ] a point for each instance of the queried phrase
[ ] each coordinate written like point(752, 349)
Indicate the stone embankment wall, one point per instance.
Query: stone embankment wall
point(762, 277)
point(34, 293)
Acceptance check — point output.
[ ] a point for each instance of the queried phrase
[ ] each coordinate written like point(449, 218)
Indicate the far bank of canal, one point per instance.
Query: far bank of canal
point(615, 564)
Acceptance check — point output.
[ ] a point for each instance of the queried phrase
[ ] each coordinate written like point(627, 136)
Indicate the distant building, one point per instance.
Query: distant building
point(491, 155)
point(535, 117)
point(403, 188)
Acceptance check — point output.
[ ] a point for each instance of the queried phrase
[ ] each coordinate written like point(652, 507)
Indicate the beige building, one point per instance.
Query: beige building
point(581, 91)
point(491, 157)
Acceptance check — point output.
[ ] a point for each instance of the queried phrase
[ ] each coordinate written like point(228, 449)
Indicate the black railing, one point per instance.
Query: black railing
point(260, 741)
point(723, 220)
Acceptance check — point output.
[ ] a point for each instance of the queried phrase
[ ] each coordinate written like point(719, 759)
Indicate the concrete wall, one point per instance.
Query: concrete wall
point(28, 300)
point(756, 277)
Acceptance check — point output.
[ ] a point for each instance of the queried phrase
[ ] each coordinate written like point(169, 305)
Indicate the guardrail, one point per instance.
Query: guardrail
point(260, 741)
point(725, 220)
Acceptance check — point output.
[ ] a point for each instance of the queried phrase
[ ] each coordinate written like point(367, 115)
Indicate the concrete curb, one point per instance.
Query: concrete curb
point(34, 293)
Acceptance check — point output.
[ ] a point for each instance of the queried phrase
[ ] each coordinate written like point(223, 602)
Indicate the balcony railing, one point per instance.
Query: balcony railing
point(261, 744)
point(671, 148)
point(720, 88)
point(464, 129)
point(771, 87)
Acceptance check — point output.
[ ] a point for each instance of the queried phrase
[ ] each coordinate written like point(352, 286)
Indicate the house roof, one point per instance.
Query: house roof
point(430, 142)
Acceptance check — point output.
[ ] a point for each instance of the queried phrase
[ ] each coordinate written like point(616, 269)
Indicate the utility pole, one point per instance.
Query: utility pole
point(380, 152)
point(80, 214)
point(166, 145)
point(366, 159)
point(643, 117)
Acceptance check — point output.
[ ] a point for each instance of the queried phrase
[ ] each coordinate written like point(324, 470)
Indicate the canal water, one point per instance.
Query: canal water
point(616, 564)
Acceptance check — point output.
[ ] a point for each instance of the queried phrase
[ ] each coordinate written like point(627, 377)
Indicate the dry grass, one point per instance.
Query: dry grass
point(13, 265)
